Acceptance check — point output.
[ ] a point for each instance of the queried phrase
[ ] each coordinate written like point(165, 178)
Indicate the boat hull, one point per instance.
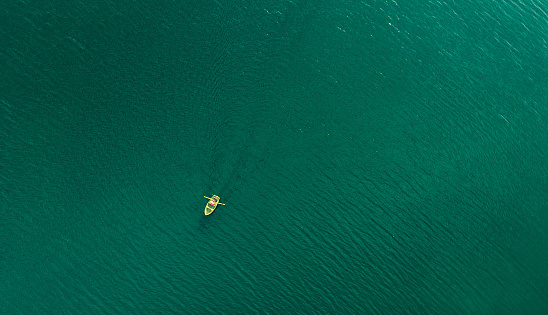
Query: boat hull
point(211, 205)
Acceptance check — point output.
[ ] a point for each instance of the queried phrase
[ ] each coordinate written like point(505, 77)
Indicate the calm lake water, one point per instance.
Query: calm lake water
point(375, 157)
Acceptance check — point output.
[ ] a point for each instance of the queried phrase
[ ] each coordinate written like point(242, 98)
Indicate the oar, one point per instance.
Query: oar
point(217, 202)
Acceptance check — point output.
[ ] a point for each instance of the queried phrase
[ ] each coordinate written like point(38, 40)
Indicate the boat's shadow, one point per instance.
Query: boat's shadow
point(207, 223)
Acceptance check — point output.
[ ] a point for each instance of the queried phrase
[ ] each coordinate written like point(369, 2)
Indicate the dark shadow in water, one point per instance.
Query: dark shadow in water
point(206, 224)
point(241, 165)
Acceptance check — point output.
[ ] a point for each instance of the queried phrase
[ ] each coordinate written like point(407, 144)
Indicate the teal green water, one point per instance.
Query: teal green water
point(375, 157)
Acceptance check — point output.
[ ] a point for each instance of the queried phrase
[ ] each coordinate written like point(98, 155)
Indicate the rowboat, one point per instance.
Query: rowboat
point(212, 204)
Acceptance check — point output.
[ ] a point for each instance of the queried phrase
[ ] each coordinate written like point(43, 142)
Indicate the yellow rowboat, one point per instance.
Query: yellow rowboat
point(212, 204)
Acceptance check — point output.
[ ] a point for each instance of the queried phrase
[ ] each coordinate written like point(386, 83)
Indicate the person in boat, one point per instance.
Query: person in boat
point(212, 202)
